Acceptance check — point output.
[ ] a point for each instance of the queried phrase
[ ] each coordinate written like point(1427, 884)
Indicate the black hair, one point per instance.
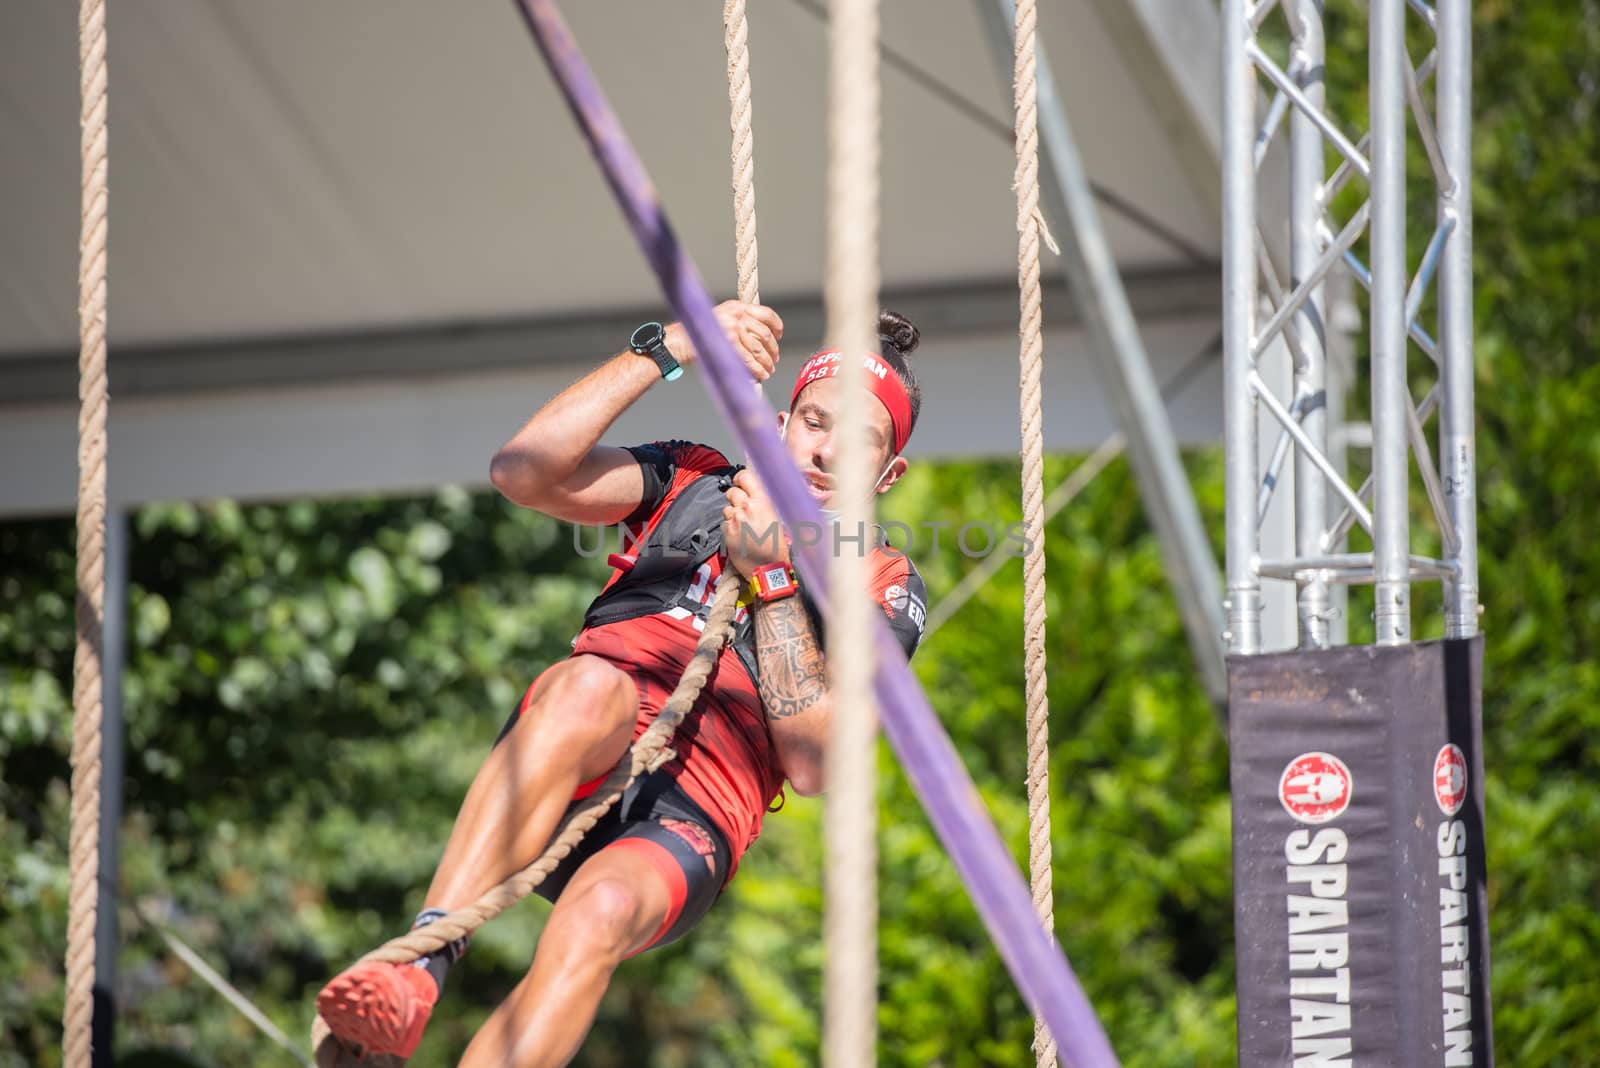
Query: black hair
point(898, 337)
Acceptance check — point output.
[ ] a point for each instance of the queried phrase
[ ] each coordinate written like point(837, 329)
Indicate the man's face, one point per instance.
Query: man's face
point(812, 440)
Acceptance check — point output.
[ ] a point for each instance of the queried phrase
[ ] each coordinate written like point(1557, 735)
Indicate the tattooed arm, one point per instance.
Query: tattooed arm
point(794, 680)
point(794, 691)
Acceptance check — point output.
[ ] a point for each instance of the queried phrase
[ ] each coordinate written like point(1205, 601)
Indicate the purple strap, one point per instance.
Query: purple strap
point(924, 750)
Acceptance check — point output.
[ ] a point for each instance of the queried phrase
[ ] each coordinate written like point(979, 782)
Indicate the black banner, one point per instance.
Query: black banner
point(1358, 862)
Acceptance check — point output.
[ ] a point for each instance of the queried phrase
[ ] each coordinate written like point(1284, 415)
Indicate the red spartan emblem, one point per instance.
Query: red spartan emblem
point(1315, 787)
point(697, 838)
point(1450, 779)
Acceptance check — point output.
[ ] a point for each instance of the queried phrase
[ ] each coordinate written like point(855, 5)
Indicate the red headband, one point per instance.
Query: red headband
point(881, 380)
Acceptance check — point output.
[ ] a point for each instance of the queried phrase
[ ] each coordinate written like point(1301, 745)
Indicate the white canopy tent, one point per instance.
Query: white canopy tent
point(354, 245)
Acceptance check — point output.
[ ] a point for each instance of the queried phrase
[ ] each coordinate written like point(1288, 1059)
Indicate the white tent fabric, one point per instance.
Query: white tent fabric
point(331, 172)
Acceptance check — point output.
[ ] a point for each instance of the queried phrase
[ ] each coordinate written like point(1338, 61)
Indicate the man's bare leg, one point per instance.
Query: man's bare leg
point(576, 727)
point(615, 903)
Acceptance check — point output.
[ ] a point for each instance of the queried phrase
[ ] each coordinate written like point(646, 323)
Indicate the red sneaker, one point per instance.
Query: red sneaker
point(380, 1007)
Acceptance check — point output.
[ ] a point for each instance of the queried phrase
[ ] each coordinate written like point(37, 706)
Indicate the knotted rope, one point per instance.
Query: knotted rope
point(84, 846)
point(850, 884)
point(1031, 332)
point(648, 752)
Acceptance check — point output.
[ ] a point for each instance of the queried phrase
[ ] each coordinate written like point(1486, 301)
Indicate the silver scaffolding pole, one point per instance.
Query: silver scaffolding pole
point(1390, 470)
point(1306, 172)
point(1092, 277)
point(1239, 406)
point(1457, 442)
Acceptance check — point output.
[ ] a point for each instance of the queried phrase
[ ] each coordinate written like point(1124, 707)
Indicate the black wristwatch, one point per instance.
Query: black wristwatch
point(650, 340)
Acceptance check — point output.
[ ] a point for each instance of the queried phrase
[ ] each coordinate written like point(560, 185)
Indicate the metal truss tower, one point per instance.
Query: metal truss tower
point(1360, 876)
point(1267, 316)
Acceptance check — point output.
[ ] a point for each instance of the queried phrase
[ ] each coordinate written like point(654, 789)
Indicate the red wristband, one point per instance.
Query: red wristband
point(773, 582)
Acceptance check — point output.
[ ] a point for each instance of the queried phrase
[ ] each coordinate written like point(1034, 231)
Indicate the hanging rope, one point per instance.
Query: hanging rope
point(736, 38)
point(1032, 364)
point(850, 884)
point(649, 752)
point(84, 847)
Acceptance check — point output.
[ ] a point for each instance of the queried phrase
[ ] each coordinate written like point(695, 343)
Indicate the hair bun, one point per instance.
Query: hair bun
point(899, 332)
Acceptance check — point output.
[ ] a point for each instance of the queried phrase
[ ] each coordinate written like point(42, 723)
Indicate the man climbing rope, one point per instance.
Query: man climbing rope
point(658, 860)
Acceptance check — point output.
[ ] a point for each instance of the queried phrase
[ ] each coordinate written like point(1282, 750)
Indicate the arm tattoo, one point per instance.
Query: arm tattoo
point(793, 677)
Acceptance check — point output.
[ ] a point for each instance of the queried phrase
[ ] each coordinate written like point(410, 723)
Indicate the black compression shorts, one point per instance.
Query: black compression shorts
point(674, 835)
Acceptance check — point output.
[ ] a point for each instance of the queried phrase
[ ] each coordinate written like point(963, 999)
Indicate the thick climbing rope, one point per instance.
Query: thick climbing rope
point(84, 847)
point(736, 39)
point(850, 915)
point(649, 752)
point(851, 934)
point(1026, 96)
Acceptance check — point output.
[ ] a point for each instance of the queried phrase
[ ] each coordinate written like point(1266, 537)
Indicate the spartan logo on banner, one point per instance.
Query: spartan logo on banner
point(1450, 779)
point(1315, 787)
point(1358, 857)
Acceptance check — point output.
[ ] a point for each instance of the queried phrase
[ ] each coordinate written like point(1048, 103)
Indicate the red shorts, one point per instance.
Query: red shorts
point(678, 818)
point(725, 758)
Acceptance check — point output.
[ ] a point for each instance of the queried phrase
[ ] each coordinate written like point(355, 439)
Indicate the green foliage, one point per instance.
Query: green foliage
point(311, 686)
point(309, 690)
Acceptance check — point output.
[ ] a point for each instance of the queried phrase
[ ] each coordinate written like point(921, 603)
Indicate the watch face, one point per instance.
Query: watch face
point(647, 336)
